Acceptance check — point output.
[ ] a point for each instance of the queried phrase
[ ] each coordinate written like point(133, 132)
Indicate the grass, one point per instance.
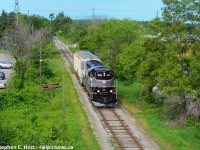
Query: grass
point(4, 51)
point(150, 118)
point(131, 91)
point(33, 118)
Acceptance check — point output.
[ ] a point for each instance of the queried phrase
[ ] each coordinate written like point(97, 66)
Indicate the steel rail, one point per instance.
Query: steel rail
point(110, 128)
point(123, 125)
point(127, 130)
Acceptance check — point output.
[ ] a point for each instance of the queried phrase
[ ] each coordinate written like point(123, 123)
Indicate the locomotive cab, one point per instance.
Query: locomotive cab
point(104, 75)
point(101, 88)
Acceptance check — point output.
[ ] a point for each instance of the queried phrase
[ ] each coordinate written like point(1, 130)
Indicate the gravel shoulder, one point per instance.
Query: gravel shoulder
point(144, 139)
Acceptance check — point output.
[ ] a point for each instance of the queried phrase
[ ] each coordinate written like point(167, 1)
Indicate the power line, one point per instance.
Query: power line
point(121, 10)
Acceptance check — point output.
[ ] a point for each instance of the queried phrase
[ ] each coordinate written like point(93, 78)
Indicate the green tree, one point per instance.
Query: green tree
point(6, 22)
point(110, 37)
point(150, 62)
point(130, 59)
point(61, 20)
point(38, 22)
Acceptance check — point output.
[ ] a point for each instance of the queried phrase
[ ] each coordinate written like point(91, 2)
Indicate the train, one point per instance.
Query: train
point(97, 79)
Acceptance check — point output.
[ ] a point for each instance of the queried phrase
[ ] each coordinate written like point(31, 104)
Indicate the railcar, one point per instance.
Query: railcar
point(97, 79)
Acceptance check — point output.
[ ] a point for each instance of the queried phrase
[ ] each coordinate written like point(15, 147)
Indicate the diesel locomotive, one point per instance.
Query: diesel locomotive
point(97, 79)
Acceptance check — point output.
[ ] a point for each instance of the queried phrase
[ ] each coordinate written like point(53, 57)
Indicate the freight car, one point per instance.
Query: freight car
point(97, 79)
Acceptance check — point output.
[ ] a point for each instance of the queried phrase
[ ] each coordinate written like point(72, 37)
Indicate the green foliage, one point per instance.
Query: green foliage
point(129, 91)
point(197, 127)
point(60, 21)
point(148, 62)
point(130, 59)
point(37, 21)
point(109, 38)
point(74, 30)
point(7, 134)
point(6, 22)
point(46, 69)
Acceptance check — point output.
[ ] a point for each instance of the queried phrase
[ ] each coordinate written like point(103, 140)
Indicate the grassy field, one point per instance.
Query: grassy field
point(150, 118)
point(33, 116)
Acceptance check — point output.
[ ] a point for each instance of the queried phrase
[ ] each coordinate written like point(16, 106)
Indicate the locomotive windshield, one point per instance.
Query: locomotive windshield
point(104, 75)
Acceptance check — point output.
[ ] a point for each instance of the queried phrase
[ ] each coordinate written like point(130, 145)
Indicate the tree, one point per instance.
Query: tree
point(130, 59)
point(6, 22)
point(20, 41)
point(37, 21)
point(60, 21)
point(110, 37)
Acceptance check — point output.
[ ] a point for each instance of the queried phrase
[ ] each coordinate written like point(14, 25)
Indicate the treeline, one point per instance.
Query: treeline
point(163, 55)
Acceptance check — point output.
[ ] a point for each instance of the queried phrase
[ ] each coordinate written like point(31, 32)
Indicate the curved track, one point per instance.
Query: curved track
point(115, 126)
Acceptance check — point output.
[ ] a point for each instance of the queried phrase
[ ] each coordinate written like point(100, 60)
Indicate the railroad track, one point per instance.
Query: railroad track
point(117, 129)
point(65, 50)
point(115, 126)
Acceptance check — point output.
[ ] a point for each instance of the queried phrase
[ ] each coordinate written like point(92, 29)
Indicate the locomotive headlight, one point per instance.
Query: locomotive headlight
point(111, 91)
point(98, 91)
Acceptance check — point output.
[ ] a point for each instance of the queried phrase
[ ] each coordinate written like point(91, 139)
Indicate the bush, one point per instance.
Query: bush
point(46, 69)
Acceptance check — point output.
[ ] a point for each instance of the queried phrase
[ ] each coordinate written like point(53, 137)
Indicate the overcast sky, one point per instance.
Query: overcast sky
point(141, 10)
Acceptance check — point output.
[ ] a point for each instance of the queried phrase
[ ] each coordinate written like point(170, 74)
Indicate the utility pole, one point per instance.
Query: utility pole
point(41, 61)
point(28, 14)
point(16, 13)
point(64, 106)
point(51, 16)
point(93, 18)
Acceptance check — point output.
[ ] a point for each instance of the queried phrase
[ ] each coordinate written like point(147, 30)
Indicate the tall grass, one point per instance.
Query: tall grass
point(128, 91)
point(150, 117)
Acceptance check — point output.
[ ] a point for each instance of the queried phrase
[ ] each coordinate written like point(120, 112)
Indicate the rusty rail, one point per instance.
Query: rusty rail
point(124, 129)
point(65, 51)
